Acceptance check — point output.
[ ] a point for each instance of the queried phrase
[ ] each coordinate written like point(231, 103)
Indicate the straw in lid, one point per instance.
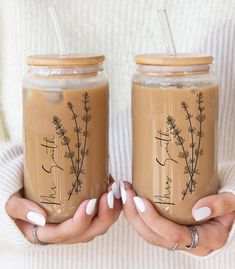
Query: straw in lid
point(178, 60)
point(64, 60)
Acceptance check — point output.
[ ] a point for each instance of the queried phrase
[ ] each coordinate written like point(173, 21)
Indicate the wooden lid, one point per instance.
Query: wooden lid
point(179, 60)
point(64, 60)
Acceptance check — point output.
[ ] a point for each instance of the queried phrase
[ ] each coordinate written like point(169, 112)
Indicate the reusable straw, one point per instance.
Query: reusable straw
point(166, 32)
point(58, 31)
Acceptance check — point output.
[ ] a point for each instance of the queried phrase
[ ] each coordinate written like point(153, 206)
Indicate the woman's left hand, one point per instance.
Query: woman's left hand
point(83, 227)
point(218, 209)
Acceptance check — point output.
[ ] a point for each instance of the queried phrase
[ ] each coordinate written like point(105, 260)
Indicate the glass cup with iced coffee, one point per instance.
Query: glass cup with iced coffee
point(174, 126)
point(65, 126)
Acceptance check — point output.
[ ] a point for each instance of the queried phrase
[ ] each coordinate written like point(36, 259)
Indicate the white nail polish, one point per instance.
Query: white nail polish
point(139, 203)
point(123, 192)
point(201, 213)
point(110, 200)
point(90, 206)
point(116, 190)
point(36, 218)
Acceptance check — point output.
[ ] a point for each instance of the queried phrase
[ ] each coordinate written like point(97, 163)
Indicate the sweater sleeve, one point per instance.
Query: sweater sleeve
point(227, 184)
point(11, 181)
point(227, 177)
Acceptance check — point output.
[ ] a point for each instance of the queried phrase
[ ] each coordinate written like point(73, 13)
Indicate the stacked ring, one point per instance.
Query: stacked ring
point(195, 237)
point(174, 247)
point(35, 238)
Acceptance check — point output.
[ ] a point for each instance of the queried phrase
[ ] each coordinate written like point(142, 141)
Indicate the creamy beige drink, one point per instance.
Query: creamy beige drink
point(66, 142)
point(174, 141)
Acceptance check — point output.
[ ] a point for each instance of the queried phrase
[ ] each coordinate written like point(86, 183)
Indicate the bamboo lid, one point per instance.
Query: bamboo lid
point(179, 60)
point(64, 60)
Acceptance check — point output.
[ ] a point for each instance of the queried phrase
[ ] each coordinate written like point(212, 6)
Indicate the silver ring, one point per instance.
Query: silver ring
point(195, 237)
point(174, 247)
point(35, 238)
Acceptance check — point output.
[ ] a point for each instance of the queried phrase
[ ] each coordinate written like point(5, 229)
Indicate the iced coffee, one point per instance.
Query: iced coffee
point(65, 125)
point(174, 126)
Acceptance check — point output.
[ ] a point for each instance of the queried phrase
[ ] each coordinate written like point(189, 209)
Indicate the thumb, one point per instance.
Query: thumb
point(23, 209)
point(214, 206)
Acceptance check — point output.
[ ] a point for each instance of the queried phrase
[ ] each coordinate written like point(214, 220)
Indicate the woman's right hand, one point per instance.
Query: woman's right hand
point(83, 227)
point(159, 231)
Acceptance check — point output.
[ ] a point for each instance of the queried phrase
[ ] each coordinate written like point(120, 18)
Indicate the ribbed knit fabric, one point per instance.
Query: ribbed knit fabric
point(119, 29)
point(11, 181)
point(120, 247)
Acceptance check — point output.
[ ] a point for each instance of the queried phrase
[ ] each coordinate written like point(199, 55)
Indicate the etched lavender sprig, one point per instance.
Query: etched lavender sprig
point(61, 131)
point(192, 144)
point(77, 129)
point(196, 151)
point(83, 151)
point(175, 132)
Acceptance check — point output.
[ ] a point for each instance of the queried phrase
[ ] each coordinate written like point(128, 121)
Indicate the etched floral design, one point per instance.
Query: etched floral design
point(80, 151)
point(190, 153)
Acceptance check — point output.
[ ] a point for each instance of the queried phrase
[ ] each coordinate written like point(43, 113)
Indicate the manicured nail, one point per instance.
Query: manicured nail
point(90, 207)
point(139, 203)
point(123, 192)
point(201, 213)
point(36, 218)
point(110, 200)
point(116, 190)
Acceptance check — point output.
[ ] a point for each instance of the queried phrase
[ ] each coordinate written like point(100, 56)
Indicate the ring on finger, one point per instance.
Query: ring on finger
point(35, 237)
point(195, 237)
point(174, 247)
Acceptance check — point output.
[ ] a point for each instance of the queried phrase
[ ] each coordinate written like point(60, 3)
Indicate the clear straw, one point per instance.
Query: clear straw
point(58, 31)
point(166, 32)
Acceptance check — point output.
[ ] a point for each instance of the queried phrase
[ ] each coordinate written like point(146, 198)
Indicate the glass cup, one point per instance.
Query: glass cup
point(174, 126)
point(65, 126)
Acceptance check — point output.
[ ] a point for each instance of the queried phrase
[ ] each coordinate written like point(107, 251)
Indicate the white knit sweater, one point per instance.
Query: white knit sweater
point(119, 29)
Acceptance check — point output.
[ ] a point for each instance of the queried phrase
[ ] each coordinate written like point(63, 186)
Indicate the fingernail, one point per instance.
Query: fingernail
point(36, 218)
point(110, 200)
point(116, 190)
point(202, 213)
point(91, 206)
point(123, 192)
point(139, 203)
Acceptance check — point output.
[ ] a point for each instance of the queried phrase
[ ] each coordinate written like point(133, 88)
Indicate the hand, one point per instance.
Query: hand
point(159, 231)
point(83, 227)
